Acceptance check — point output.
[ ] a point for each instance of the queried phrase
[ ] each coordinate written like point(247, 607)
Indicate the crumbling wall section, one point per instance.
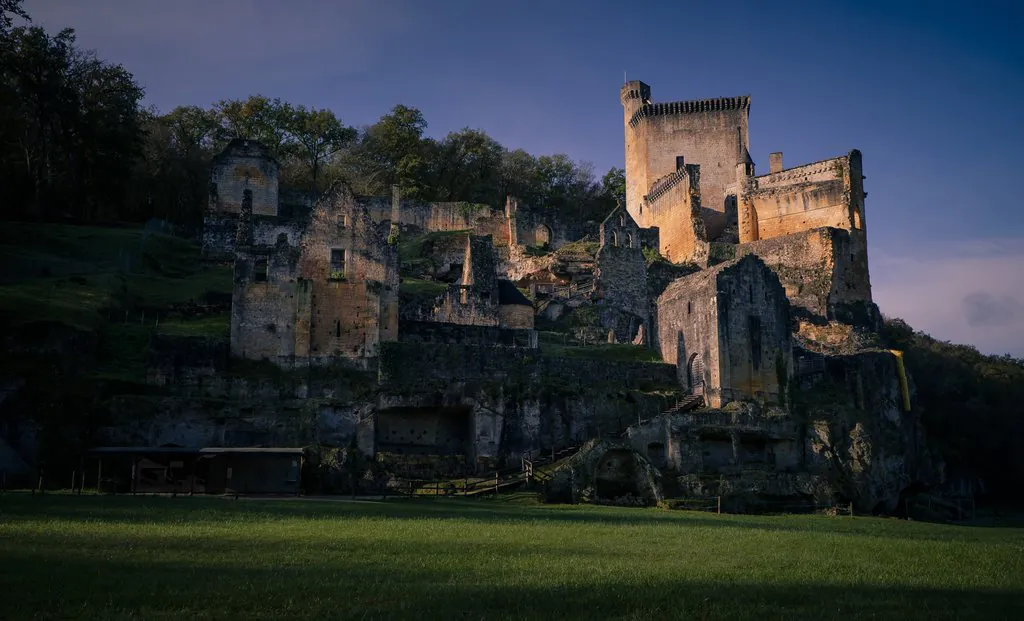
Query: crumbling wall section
point(673, 205)
point(263, 302)
point(824, 272)
point(621, 277)
point(244, 165)
point(754, 333)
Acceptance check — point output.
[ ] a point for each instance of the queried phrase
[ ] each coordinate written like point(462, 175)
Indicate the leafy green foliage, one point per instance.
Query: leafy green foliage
point(971, 405)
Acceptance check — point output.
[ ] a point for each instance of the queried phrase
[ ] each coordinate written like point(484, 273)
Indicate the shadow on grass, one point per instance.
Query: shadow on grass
point(364, 585)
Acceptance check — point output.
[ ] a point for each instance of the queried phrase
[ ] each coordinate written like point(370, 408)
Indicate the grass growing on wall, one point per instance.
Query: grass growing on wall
point(162, 558)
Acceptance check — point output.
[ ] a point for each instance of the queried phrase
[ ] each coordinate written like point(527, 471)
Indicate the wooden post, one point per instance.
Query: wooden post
point(719, 502)
point(851, 508)
point(495, 481)
point(465, 487)
point(99, 477)
point(135, 473)
point(74, 478)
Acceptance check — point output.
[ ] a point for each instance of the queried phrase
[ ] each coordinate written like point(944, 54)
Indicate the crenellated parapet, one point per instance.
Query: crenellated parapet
point(690, 107)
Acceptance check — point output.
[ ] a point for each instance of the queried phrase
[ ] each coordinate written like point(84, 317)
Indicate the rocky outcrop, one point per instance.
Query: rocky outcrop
point(606, 472)
point(861, 434)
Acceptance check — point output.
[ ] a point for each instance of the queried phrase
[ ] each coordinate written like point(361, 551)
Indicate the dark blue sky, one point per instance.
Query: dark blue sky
point(927, 90)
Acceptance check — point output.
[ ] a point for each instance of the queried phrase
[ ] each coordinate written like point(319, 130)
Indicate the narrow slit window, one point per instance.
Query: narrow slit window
point(337, 328)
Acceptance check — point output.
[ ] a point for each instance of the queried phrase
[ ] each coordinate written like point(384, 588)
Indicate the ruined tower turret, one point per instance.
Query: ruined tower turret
point(633, 95)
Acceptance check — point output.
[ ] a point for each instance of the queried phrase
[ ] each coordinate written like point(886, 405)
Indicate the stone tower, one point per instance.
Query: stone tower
point(661, 138)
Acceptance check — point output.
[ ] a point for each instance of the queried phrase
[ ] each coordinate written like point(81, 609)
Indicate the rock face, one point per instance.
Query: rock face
point(871, 446)
point(607, 472)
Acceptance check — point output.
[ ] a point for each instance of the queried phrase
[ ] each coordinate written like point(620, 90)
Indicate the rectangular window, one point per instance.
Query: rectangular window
point(337, 264)
point(259, 272)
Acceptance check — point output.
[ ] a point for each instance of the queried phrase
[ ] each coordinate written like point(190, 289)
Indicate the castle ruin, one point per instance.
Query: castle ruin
point(471, 324)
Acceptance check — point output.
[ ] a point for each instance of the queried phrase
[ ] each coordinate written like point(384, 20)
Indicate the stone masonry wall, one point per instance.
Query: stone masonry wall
point(754, 332)
point(621, 274)
point(822, 270)
point(674, 206)
point(410, 365)
point(712, 134)
point(244, 165)
point(826, 193)
point(732, 321)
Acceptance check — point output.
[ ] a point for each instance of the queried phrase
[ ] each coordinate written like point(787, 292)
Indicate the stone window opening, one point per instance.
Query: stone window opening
point(615, 239)
point(343, 220)
point(260, 270)
point(629, 240)
point(338, 264)
point(464, 296)
point(689, 308)
point(337, 328)
point(755, 342)
point(622, 219)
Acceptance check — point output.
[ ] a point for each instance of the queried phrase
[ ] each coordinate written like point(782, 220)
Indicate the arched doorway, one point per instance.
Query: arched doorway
point(695, 374)
point(542, 235)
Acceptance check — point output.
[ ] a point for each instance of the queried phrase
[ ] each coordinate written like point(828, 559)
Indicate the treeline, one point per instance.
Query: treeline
point(77, 145)
point(971, 406)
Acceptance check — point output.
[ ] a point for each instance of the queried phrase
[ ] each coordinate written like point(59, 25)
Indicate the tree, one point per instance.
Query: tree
point(392, 151)
point(467, 167)
point(613, 185)
point(319, 135)
point(9, 9)
point(256, 118)
point(68, 126)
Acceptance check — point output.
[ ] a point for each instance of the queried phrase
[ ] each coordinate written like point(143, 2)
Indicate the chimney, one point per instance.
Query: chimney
point(775, 162)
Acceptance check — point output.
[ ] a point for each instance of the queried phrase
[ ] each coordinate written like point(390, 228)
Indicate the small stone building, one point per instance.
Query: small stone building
point(727, 329)
point(333, 295)
point(621, 277)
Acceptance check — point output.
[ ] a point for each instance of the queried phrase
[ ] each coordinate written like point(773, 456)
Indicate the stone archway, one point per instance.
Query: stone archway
point(618, 474)
point(542, 235)
point(695, 374)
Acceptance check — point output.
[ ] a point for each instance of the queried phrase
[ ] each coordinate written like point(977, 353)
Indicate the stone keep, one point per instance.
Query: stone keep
point(661, 138)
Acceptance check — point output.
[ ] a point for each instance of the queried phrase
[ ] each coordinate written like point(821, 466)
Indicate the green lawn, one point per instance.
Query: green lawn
point(188, 558)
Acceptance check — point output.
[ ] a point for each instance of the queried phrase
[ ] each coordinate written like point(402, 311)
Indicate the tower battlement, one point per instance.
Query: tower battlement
point(690, 107)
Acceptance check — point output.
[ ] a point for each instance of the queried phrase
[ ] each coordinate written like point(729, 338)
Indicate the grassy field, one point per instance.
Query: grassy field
point(65, 557)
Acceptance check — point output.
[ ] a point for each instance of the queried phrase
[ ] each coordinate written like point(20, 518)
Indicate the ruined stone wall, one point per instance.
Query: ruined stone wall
point(622, 275)
point(732, 321)
point(826, 193)
point(824, 271)
point(244, 165)
point(687, 334)
point(264, 312)
point(516, 316)
point(710, 133)
point(674, 207)
point(465, 305)
point(406, 365)
point(411, 331)
point(754, 332)
point(308, 307)
point(451, 216)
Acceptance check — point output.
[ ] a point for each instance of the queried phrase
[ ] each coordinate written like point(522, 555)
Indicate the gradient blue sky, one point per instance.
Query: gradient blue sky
point(928, 91)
